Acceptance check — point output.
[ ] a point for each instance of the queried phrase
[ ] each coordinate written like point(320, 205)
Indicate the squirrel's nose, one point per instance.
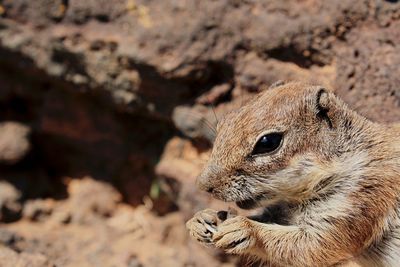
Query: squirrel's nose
point(210, 189)
point(203, 184)
point(207, 188)
point(207, 180)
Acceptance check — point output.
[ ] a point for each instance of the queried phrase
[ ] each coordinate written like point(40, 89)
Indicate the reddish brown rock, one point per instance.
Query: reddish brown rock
point(368, 76)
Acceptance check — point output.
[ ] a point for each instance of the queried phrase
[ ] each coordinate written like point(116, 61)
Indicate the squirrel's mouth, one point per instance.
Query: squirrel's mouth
point(251, 202)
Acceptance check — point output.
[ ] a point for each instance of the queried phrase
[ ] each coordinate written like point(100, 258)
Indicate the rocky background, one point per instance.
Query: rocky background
point(107, 110)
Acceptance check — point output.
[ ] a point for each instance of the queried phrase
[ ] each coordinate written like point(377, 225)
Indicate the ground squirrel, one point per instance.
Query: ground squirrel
point(336, 174)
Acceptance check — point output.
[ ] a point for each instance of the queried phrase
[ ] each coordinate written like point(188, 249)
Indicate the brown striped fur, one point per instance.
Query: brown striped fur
point(337, 172)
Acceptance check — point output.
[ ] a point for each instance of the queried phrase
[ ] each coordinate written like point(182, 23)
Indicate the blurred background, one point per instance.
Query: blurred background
point(107, 109)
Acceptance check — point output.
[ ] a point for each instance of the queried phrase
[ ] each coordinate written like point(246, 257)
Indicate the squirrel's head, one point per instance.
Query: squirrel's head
point(270, 149)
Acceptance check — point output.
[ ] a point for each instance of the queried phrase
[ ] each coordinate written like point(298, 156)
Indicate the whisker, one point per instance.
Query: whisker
point(215, 115)
point(203, 120)
point(241, 97)
point(210, 125)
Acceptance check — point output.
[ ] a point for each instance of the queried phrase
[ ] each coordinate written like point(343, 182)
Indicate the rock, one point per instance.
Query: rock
point(14, 143)
point(108, 41)
point(39, 209)
point(125, 220)
point(195, 122)
point(368, 74)
point(8, 257)
point(256, 74)
point(182, 161)
point(216, 94)
point(9, 238)
point(9, 202)
point(89, 199)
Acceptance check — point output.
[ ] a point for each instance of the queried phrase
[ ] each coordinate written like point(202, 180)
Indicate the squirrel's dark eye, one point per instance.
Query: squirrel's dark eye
point(267, 143)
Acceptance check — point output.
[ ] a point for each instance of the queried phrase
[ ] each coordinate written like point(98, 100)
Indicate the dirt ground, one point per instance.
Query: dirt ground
point(106, 110)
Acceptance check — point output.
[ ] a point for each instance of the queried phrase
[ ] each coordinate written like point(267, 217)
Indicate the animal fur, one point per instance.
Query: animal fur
point(337, 173)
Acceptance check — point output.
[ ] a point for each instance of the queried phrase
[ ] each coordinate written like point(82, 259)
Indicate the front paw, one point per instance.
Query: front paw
point(203, 225)
point(235, 235)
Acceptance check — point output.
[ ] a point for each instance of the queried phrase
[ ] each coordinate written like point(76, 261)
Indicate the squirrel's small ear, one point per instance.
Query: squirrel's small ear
point(324, 102)
point(277, 84)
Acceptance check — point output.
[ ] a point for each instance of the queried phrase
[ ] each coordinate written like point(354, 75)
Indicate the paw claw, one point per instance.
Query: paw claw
point(203, 225)
point(235, 235)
